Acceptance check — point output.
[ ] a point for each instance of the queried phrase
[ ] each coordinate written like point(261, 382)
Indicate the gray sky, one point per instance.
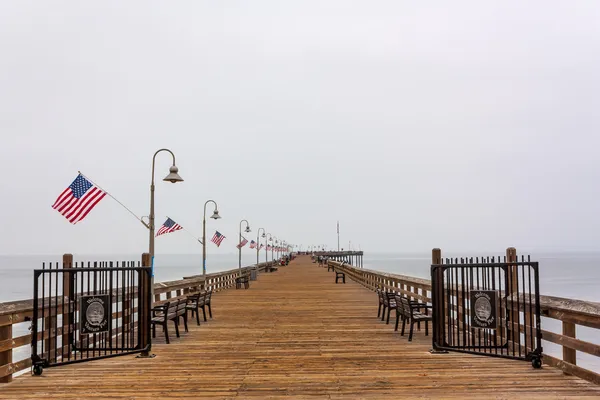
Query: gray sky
point(464, 125)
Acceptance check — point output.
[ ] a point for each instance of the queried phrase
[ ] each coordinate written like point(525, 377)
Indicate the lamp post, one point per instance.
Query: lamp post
point(173, 177)
point(214, 216)
point(258, 241)
point(267, 246)
point(240, 249)
point(275, 243)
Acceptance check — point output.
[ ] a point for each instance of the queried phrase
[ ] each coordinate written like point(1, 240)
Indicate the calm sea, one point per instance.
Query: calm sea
point(572, 275)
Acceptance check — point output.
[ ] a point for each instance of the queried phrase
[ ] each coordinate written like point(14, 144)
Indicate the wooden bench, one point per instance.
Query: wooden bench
point(340, 275)
point(170, 311)
point(410, 311)
point(380, 297)
point(330, 267)
point(245, 280)
point(389, 302)
point(206, 304)
point(194, 303)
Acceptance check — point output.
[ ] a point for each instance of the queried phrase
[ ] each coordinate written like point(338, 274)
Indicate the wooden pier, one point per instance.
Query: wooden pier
point(295, 333)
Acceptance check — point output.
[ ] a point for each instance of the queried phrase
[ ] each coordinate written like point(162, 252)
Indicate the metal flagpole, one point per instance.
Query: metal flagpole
point(115, 199)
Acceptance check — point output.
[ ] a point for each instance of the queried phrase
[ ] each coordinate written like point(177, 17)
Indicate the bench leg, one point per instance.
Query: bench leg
point(197, 316)
point(209, 311)
point(412, 324)
point(387, 321)
point(176, 327)
point(204, 313)
point(378, 310)
point(153, 331)
point(403, 325)
point(397, 320)
point(185, 322)
point(426, 328)
point(344, 278)
point(166, 329)
point(383, 313)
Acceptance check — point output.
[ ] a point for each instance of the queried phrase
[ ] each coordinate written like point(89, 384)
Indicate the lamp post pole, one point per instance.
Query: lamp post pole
point(258, 241)
point(267, 246)
point(272, 250)
point(214, 216)
point(240, 247)
point(173, 177)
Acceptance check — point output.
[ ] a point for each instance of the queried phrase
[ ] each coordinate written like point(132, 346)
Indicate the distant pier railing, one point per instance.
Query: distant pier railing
point(572, 314)
point(16, 316)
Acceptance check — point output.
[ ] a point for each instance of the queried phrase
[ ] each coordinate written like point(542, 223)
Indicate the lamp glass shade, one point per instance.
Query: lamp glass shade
point(247, 229)
point(216, 215)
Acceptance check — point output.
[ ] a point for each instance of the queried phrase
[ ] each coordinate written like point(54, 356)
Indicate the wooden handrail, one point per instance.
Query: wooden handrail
point(21, 311)
point(570, 312)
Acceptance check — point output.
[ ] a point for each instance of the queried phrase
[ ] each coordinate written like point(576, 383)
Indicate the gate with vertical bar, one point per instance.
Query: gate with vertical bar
point(487, 306)
point(87, 311)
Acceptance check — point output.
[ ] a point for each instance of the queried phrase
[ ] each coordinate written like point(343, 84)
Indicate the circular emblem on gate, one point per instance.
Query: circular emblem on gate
point(95, 313)
point(483, 308)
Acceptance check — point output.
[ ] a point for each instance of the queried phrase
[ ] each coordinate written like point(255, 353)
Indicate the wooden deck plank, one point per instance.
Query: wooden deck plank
point(295, 333)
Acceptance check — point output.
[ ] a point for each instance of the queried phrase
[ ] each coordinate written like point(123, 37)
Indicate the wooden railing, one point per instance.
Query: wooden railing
point(16, 316)
point(571, 313)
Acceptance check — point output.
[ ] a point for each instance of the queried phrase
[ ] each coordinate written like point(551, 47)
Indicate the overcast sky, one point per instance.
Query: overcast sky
point(461, 125)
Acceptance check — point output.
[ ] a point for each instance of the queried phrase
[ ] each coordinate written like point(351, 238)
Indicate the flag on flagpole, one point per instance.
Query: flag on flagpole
point(242, 243)
point(217, 238)
point(252, 244)
point(168, 227)
point(77, 200)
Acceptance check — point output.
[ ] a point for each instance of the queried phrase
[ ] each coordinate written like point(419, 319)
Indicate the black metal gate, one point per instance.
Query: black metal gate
point(87, 311)
point(487, 306)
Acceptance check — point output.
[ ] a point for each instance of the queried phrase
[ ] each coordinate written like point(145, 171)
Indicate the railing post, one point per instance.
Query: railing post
point(145, 309)
point(569, 355)
point(6, 355)
point(437, 294)
point(513, 313)
point(68, 320)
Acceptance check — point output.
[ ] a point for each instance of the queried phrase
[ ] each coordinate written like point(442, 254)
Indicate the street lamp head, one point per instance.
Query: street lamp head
point(173, 176)
point(263, 235)
point(247, 229)
point(216, 215)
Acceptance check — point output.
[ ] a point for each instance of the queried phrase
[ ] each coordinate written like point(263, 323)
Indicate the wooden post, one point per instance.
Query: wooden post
point(438, 313)
point(569, 355)
point(6, 355)
point(68, 296)
point(513, 313)
point(144, 310)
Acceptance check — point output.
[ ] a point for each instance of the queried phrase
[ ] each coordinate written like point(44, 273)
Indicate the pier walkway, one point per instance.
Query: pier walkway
point(296, 333)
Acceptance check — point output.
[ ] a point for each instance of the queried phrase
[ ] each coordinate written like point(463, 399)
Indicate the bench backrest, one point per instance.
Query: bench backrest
point(180, 309)
point(207, 296)
point(405, 306)
point(172, 309)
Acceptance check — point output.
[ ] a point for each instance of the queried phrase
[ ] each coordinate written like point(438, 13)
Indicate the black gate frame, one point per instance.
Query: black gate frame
point(124, 285)
point(517, 287)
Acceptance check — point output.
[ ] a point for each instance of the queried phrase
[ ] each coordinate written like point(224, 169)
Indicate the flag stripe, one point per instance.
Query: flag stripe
point(98, 198)
point(83, 203)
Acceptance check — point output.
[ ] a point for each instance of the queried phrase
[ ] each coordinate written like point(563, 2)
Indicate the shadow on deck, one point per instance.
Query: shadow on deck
point(296, 333)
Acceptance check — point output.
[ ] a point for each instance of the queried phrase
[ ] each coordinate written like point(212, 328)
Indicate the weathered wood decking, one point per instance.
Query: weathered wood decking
point(296, 333)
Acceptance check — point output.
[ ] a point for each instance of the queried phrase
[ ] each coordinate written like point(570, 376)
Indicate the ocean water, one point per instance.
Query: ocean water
point(571, 275)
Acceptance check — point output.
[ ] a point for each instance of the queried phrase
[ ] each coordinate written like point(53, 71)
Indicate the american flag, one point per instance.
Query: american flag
point(242, 243)
point(76, 201)
point(252, 244)
point(217, 238)
point(168, 227)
